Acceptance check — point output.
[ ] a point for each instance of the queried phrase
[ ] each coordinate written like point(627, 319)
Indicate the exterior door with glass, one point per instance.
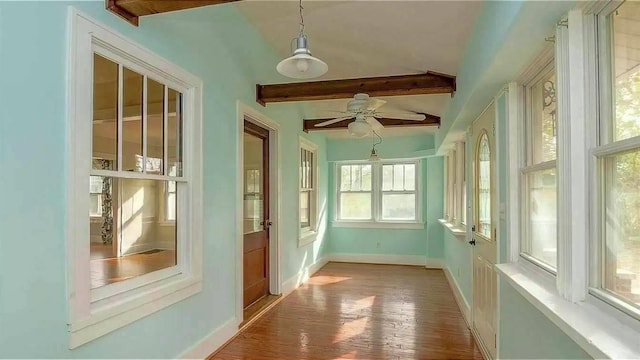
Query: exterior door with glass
point(484, 232)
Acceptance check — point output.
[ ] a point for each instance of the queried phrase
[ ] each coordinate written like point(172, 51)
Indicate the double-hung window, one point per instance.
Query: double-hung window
point(378, 192)
point(455, 186)
point(617, 160)
point(538, 171)
point(135, 146)
point(308, 180)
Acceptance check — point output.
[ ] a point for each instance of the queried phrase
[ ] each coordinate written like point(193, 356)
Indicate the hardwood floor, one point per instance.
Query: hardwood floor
point(258, 307)
point(107, 269)
point(361, 311)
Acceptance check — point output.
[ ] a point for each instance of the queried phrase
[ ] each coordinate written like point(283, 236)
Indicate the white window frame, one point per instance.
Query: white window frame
point(93, 313)
point(539, 68)
point(603, 146)
point(376, 220)
point(598, 326)
point(309, 234)
point(455, 188)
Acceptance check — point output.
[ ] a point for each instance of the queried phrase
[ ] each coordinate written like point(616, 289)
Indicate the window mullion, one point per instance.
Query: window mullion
point(145, 109)
point(165, 131)
point(573, 183)
point(120, 111)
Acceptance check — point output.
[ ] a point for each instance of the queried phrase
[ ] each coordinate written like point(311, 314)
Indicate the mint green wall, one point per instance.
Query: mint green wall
point(457, 255)
point(507, 35)
point(525, 333)
point(422, 242)
point(213, 43)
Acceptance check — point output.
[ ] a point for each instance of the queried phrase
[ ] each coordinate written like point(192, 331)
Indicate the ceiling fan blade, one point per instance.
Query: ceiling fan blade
point(374, 104)
point(374, 123)
point(402, 116)
point(333, 121)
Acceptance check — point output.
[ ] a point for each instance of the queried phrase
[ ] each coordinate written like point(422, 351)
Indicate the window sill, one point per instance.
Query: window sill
point(307, 238)
point(595, 330)
point(455, 231)
point(378, 225)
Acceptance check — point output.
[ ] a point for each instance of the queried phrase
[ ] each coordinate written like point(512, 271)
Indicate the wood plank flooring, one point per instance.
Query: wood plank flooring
point(361, 311)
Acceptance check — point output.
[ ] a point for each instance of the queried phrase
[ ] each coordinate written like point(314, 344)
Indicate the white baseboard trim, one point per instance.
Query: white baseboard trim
point(465, 309)
point(302, 276)
point(416, 260)
point(212, 341)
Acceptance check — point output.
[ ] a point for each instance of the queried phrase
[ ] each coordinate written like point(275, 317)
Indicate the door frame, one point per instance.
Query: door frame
point(495, 217)
point(245, 112)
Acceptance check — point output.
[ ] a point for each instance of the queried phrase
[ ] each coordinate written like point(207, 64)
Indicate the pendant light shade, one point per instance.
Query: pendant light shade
point(302, 65)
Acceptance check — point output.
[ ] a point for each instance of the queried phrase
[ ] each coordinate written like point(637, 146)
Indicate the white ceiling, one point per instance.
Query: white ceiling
point(373, 38)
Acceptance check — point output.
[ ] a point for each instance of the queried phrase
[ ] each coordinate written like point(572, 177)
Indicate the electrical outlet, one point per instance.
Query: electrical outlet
point(458, 272)
point(378, 245)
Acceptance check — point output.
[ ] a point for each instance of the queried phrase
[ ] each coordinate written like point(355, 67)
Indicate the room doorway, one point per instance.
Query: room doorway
point(484, 235)
point(256, 211)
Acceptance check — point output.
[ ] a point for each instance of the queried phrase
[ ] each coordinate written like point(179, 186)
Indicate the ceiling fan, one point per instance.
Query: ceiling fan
point(364, 110)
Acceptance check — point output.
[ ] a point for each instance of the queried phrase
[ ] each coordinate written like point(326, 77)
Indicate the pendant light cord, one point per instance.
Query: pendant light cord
point(379, 139)
point(301, 19)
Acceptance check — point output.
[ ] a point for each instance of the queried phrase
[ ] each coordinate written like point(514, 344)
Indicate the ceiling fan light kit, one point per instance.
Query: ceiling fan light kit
point(301, 64)
point(359, 128)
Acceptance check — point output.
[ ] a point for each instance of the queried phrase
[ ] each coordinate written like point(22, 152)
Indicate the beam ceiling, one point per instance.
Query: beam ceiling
point(132, 10)
point(419, 84)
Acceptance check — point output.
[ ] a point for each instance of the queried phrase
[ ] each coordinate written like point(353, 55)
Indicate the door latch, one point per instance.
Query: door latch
point(473, 242)
point(266, 223)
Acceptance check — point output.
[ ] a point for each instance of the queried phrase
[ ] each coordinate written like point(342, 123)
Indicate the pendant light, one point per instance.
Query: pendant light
point(374, 154)
point(301, 65)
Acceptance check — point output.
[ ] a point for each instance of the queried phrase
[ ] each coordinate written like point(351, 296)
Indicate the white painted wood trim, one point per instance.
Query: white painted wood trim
point(276, 247)
point(465, 309)
point(377, 225)
point(309, 235)
point(514, 159)
point(458, 232)
point(125, 303)
point(210, 343)
point(415, 260)
point(302, 276)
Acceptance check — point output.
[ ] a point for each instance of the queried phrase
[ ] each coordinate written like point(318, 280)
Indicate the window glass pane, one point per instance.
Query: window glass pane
point(387, 177)
point(254, 194)
point(543, 119)
point(542, 219)
point(398, 206)
point(410, 177)
point(132, 121)
point(155, 127)
point(398, 177)
point(305, 197)
point(105, 110)
point(174, 130)
point(140, 244)
point(484, 187)
point(356, 177)
point(95, 205)
point(622, 225)
point(355, 206)
point(345, 177)
point(366, 178)
point(626, 71)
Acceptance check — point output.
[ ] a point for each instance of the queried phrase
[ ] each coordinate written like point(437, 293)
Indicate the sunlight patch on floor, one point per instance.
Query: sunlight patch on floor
point(325, 280)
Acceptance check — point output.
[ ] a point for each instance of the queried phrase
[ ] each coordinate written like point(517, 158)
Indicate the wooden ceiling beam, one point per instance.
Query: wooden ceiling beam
point(132, 10)
point(430, 120)
point(419, 84)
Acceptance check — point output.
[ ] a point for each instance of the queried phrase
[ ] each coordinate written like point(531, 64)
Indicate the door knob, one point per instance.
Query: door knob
point(473, 242)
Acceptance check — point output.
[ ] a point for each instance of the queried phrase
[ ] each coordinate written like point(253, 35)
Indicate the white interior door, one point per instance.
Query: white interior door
point(484, 231)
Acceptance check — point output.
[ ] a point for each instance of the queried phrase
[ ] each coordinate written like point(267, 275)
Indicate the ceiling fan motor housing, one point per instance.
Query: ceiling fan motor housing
point(359, 102)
